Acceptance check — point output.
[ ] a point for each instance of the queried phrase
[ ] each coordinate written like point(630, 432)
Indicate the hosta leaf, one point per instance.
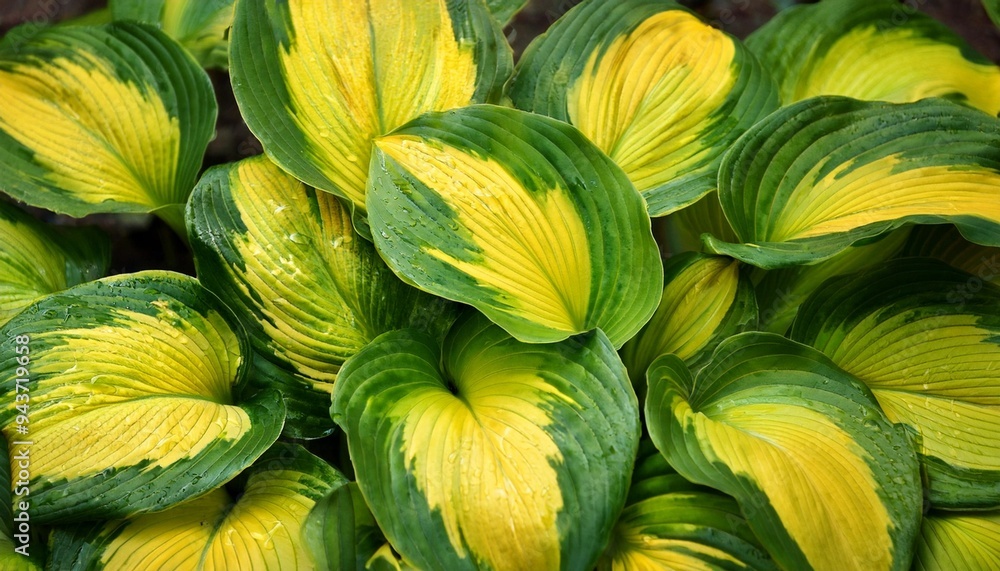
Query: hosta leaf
point(132, 383)
point(341, 531)
point(310, 291)
point(518, 215)
point(490, 453)
point(36, 259)
point(317, 81)
point(690, 223)
point(959, 540)
point(258, 529)
point(200, 26)
point(19, 551)
point(103, 119)
point(661, 92)
point(872, 49)
point(928, 346)
point(818, 176)
point(505, 10)
point(706, 299)
point(947, 244)
point(670, 523)
point(781, 292)
point(824, 480)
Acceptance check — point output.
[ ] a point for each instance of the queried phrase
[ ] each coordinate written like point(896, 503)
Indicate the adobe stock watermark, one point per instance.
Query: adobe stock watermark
point(20, 459)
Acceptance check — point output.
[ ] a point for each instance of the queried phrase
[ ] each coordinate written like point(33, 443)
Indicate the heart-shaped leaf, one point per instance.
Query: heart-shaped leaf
point(310, 291)
point(318, 81)
point(661, 92)
point(103, 119)
point(816, 177)
point(824, 480)
point(124, 396)
point(490, 453)
point(519, 216)
point(926, 339)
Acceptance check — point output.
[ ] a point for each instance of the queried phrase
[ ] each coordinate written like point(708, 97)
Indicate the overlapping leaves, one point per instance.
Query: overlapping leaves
point(384, 62)
point(103, 119)
point(661, 92)
point(153, 355)
point(449, 440)
point(824, 479)
point(310, 290)
point(928, 349)
point(816, 177)
point(873, 49)
point(519, 216)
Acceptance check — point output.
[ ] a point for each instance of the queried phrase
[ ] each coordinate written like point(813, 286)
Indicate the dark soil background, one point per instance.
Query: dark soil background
point(143, 242)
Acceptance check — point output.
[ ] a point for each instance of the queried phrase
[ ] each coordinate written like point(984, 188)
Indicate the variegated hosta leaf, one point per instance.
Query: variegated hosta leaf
point(816, 177)
point(781, 292)
point(947, 244)
point(132, 407)
point(925, 338)
point(872, 49)
point(661, 92)
point(103, 119)
point(260, 528)
point(824, 480)
point(519, 216)
point(505, 10)
point(490, 453)
point(36, 259)
point(949, 541)
point(201, 26)
point(19, 551)
point(341, 531)
point(705, 299)
point(317, 81)
point(688, 224)
point(310, 291)
point(670, 523)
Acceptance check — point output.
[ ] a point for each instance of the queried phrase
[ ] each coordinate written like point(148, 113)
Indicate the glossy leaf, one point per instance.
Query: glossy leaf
point(959, 540)
point(19, 551)
point(818, 176)
point(490, 453)
point(825, 481)
point(928, 348)
point(706, 299)
point(780, 292)
point(132, 384)
point(103, 119)
point(260, 528)
point(688, 224)
point(661, 92)
point(37, 259)
point(384, 62)
point(310, 291)
point(873, 49)
point(670, 523)
point(341, 531)
point(519, 216)
point(201, 26)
